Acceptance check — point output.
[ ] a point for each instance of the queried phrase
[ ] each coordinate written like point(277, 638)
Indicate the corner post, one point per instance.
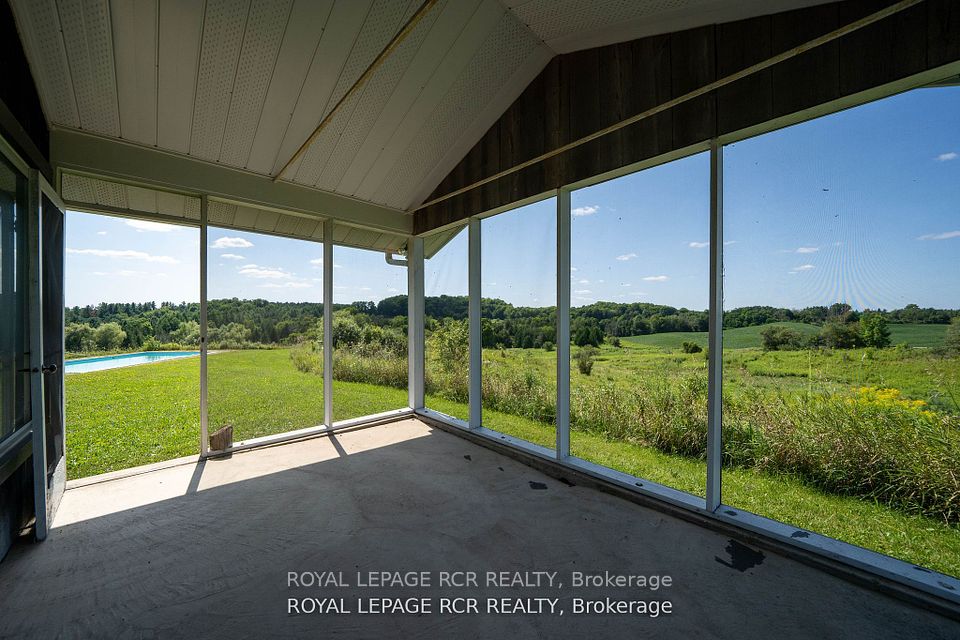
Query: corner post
point(204, 419)
point(415, 323)
point(563, 323)
point(328, 323)
point(476, 331)
point(715, 363)
point(37, 401)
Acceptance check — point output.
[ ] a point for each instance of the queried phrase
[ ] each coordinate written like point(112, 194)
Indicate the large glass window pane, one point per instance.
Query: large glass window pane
point(132, 342)
point(446, 304)
point(640, 277)
point(518, 310)
point(842, 342)
point(14, 337)
point(264, 318)
point(369, 334)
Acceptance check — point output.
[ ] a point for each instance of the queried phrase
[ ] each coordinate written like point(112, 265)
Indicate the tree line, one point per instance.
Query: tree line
point(236, 323)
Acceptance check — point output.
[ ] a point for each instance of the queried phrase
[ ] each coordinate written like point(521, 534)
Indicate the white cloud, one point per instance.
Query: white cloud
point(317, 261)
point(101, 233)
point(232, 256)
point(589, 210)
point(126, 273)
point(286, 285)
point(124, 254)
point(626, 256)
point(657, 278)
point(704, 245)
point(625, 284)
point(944, 157)
point(146, 225)
point(253, 271)
point(807, 249)
point(582, 291)
point(573, 268)
point(583, 281)
point(804, 267)
point(946, 235)
point(231, 243)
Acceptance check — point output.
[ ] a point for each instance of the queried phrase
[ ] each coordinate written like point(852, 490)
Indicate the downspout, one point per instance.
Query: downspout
point(397, 262)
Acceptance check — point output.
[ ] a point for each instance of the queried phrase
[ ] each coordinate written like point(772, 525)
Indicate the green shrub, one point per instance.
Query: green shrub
point(951, 341)
point(109, 336)
point(691, 347)
point(779, 338)
point(837, 334)
point(874, 331)
point(585, 360)
point(79, 337)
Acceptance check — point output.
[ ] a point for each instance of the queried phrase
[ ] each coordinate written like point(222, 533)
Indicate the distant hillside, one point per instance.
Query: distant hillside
point(914, 335)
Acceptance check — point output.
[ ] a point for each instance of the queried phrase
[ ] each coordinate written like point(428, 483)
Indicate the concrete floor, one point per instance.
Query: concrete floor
point(203, 551)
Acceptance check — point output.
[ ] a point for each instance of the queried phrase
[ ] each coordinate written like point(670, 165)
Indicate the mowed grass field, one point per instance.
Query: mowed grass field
point(138, 415)
point(131, 416)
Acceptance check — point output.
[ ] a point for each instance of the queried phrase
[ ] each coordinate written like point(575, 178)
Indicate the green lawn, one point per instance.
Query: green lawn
point(138, 415)
point(131, 416)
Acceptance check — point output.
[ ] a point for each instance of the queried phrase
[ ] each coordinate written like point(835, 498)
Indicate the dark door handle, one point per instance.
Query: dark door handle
point(48, 368)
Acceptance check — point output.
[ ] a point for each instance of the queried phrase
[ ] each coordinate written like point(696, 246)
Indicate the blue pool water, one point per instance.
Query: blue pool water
point(86, 365)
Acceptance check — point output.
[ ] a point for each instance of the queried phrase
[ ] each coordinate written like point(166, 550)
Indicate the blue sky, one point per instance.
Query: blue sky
point(113, 260)
point(862, 206)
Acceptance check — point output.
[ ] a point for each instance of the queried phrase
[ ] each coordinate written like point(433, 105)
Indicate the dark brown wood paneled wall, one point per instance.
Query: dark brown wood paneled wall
point(582, 92)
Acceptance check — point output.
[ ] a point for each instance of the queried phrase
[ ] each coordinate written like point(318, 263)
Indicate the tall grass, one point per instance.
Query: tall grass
point(872, 443)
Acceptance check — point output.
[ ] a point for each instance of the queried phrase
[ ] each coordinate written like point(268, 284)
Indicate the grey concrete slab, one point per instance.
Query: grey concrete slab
point(203, 551)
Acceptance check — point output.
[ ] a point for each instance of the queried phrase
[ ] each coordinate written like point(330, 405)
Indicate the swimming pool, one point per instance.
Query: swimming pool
point(86, 365)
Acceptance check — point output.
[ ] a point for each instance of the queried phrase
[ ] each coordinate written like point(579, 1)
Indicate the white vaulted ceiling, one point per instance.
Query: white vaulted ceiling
point(244, 83)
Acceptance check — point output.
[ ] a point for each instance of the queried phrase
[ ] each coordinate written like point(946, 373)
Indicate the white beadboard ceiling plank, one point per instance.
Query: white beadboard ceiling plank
point(39, 25)
point(224, 24)
point(246, 217)
point(181, 25)
point(499, 69)
point(376, 95)
point(307, 24)
point(135, 45)
point(432, 54)
point(474, 131)
point(171, 204)
point(343, 26)
point(141, 199)
point(262, 38)
point(481, 24)
point(572, 25)
point(88, 38)
point(385, 19)
point(266, 220)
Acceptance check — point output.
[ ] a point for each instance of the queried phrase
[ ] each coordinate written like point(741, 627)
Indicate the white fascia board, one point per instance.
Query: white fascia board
point(97, 156)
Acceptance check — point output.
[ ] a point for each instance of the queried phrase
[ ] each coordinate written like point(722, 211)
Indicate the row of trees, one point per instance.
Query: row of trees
point(842, 332)
point(236, 323)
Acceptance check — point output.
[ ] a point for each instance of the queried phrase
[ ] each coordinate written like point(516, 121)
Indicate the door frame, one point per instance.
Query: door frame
point(34, 430)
